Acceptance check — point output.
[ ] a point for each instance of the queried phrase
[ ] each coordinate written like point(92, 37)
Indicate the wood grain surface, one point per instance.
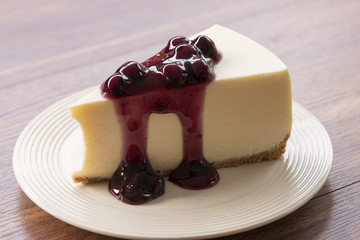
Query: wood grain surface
point(51, 49)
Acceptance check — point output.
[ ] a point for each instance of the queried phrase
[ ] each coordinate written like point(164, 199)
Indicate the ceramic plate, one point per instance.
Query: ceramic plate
point(247, 197)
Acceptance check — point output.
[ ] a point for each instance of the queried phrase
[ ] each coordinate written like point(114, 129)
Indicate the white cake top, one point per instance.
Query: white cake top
point(241, 57)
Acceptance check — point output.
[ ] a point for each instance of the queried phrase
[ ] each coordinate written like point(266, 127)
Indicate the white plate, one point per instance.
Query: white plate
point(247, 197)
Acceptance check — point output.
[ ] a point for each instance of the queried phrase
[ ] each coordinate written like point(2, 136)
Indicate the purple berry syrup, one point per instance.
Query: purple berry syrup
point(172, 81)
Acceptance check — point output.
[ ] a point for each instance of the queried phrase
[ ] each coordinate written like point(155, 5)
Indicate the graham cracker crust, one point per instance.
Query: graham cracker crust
point(88, 180)
point(276, 153)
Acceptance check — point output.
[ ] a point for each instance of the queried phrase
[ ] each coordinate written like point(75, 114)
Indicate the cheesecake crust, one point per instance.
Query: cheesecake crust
point(276, 153)
point(88, 180)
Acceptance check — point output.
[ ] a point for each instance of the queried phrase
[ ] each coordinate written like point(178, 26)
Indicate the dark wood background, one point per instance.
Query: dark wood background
point(49, 50)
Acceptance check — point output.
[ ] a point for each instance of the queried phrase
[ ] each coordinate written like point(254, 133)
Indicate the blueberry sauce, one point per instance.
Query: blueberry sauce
point(172, 81)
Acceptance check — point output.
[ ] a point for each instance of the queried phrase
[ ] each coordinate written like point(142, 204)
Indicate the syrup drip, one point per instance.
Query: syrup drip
point(173, 81)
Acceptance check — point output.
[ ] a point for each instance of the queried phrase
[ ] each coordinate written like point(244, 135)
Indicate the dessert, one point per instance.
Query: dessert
point(221, 110)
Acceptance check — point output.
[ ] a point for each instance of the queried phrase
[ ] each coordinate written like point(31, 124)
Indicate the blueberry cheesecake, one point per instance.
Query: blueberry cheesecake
point(214, 100)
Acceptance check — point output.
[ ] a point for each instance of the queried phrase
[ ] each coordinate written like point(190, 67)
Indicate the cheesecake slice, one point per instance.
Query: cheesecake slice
point(246, 115)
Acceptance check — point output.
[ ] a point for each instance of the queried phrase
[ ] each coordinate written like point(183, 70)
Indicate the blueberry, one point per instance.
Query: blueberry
point(116, 85)
point(134, 70)
point(200, 69)
point(207, 47)
point(174, 75)
point(185, 51)
point(135, 181)
point(136, 77)
point(131, 78)
point(175, 41)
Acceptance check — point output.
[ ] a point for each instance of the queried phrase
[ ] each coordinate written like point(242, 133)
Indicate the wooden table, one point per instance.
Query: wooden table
point(49, 50)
